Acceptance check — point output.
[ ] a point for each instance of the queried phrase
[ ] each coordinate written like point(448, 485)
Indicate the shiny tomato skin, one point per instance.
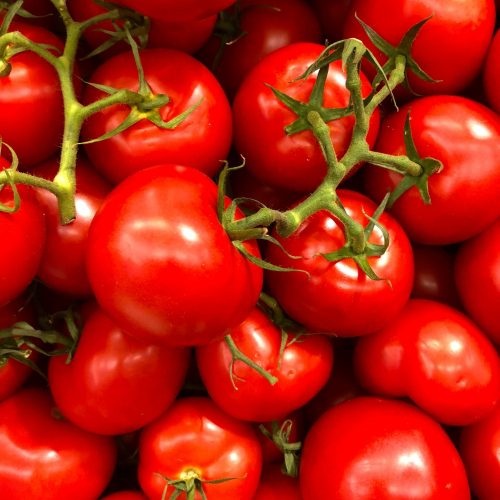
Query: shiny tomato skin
point(160, 263)
point(477, 277)
point(491, 73)
point(195, 435)
point(115, 384)
point(201, 141)
point(305, 366)
point(338, 298)
point(291, 162)
point(370, 448)
point(465, 198)
point(461, 29)
point(436, 356)
point(44, 457)
point(62, 267)
point(274, 485)
point(479, 446)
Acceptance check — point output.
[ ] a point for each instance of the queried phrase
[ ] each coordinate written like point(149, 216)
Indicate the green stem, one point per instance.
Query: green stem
point(400, 163)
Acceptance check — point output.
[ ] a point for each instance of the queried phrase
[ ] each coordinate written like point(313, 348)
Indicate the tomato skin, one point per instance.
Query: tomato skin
point(305, 367)
point(491, 73)
point(62, 266)
point(477, 277)
point(43, 455)
point(462, 29)
point(201, 141)
point(437, 357)
point(338, 298)
point(194, 434)
point(274, 485)
point(292, 162)
point(479, 446)
point(369, 448)
point(160, 263)
point(115, 384)
point(465, 136)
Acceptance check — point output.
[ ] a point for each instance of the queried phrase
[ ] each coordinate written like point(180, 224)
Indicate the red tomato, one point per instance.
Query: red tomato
point(162, 266)
point(44, 455)
point(194, 438)
point(477, 276)
point(370, 448)
point(125, 495)
point(291, 162)
point(265, 27)
point(25, 232)
point(479, 446)
point(115, 384)
point(31, 107)
point(62, 267)
point(465, 198)
point(274, 485)
point(201, 141)
point(240, 391)
point(337, 297)
point(462, 29)
point(437, 357)
point(491, 73)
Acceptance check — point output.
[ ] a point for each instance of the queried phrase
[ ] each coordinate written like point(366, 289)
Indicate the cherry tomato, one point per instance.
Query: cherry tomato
point(195, 439)
point(201, 141)
point(370, 448)
point(436, 356)
point(162, 266)
point(479, 446)
point(337, 297)
point(462, 29)
point(465, 136)
point(302, 370)
point(45, 457)
point(477, 276)
point(292, 162)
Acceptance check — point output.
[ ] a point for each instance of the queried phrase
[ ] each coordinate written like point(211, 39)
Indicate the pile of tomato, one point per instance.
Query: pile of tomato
point(176, 331)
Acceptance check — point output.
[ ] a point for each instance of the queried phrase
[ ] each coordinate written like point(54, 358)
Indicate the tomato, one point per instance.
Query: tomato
point(115, 384)
point(479, 446)
point(264, 27)
point(291, 162)
point(240, 391)
point(45, 457)
point(201, 141)
point(462, 29)
point(337, 297)
point(24, 234)
point(31, 106)
point(369, 448)
point(477, 276)
point(160, 263)
point(491, 73)
point(125, 495)
point(331, 15)
point(274, 485)
point(437, 357)
point(465, 136)
point(63, 261)
point(195, 438)
point(434, 274)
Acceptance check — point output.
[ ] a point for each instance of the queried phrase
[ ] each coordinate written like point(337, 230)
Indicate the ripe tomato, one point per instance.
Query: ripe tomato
point(240, 391)
point(479, 446)
point(437, 357)
point(291, 162)
point(31, 106)
point(162, 266)
point(477, 277)
point(194, 438)
point(491, 73)
point(44, 456)
point(465, 197)
point(337, 297)
point(115, 384)
point(62, 267)
point(462, 29)
point(201, 141)
point(369, 448)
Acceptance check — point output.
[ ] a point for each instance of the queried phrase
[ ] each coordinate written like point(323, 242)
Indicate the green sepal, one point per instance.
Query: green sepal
point(4, 208)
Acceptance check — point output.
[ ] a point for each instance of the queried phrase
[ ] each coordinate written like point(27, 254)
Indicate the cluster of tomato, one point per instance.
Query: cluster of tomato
point(149, 351)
